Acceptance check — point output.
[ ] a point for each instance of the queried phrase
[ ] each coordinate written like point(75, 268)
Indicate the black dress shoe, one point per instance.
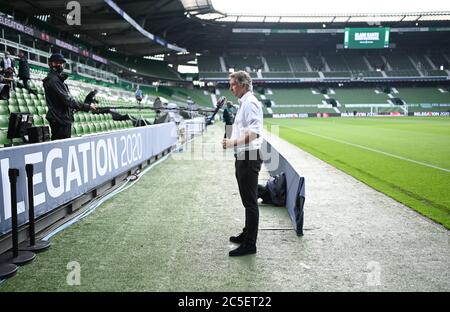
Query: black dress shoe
point(238, 239)
point(242, 251)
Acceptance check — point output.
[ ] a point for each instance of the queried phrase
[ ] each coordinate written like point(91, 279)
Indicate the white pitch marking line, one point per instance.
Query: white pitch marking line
point(374, 150)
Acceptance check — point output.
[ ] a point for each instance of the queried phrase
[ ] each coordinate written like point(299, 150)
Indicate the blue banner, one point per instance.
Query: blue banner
point(66, 169)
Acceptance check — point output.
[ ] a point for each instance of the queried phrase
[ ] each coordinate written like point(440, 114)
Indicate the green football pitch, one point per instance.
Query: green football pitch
point(406, 158)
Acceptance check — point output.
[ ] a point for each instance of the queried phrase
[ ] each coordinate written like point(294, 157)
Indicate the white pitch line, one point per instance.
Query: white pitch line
point(374, 150)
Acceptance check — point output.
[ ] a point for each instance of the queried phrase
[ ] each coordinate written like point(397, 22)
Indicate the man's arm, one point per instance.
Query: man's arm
point(243, 140)
point(64, 97)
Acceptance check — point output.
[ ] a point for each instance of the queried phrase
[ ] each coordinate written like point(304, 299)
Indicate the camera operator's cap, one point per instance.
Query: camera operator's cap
point(55, 57)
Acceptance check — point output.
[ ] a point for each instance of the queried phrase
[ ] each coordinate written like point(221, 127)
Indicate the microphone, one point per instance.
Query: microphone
point(222, 100)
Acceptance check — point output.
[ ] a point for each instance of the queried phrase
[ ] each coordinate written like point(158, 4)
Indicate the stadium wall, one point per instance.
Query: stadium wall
point(67, 169)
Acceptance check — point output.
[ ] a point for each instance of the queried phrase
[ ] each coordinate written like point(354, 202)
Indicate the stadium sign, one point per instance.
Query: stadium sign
point(293, 115)
point(431, 114)
point(366, 38)
point(66, 169)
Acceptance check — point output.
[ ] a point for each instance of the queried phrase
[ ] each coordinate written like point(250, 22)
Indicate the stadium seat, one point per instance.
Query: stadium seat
point(4, 110)
point(23, 109)
point(32, 110)
point(4, 121)
point(78, 129)
point(91, 127)
point(85, 128)
point(13, 108)
point(12, 101)
point(41, 110)
point(4, 137)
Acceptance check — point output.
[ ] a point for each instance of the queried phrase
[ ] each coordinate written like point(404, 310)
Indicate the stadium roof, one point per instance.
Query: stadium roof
point(326, 7)
point(196, 25)
point(324, 11)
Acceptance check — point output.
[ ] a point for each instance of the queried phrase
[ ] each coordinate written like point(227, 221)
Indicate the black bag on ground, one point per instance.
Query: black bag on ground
point(274, 192)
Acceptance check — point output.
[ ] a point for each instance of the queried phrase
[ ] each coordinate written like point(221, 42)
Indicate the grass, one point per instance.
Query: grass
point(406, 158)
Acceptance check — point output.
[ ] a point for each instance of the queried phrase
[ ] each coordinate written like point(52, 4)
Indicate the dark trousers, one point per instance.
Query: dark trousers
point(60, 131)
point(247, 167)
point(25, 85)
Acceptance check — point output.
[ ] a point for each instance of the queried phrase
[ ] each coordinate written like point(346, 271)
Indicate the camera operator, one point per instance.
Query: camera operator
point(61, 104)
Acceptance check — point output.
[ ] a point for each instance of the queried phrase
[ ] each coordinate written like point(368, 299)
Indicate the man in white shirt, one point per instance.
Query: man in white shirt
point(246, 141)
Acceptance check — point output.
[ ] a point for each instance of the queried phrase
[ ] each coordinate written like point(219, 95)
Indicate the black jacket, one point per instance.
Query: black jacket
point(24, 69)
point(59, 101)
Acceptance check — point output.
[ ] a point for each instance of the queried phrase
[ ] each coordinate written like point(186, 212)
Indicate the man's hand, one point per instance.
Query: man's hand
point(227, 143)
point(93, 107)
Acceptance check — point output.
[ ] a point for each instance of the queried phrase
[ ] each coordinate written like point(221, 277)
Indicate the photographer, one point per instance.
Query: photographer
point(61, 104)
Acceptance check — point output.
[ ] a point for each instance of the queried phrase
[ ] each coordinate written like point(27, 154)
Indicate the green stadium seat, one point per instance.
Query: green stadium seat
point(37, 102)
point(76, 117)
point(23, 109)
point(81, 117)
point(4, 121)
point(21, 102)
point(12, 101)
point(4, 110)
point(85, 128)
point(37, 120)
point(78, 129)
point(91, 127)
point(74, 131)
point(41, 110)
point(4, 137)
point(32, 110)
point(88, 117)
point(43, 102)
point(13, 108)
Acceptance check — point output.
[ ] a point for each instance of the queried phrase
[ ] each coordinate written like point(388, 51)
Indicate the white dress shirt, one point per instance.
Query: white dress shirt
point(249, 117)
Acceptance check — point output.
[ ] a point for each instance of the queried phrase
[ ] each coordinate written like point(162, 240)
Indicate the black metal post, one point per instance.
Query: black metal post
point(33, 245)
point(29, 170)
point(15, 256)
point(13, 174)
